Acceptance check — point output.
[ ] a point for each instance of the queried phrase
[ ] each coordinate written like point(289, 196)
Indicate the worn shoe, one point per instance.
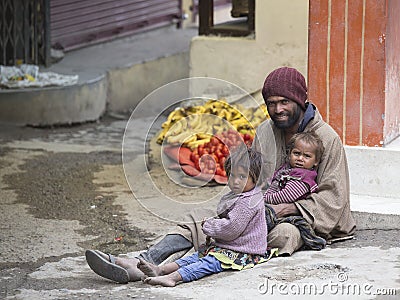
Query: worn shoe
point(106, 267)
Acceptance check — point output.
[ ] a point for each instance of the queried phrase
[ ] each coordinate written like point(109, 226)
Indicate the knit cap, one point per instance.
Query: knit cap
point(286, 82)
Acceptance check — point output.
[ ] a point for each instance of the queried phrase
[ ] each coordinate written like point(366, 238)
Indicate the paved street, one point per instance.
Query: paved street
point(63, 190)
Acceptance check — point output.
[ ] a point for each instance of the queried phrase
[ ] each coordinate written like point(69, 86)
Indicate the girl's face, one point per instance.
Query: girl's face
point(240, 181)
point(303, 155)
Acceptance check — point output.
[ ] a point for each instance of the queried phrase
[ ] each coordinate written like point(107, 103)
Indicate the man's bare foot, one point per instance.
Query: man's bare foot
point(169, 280)
point(130, 264)
point(149, 269)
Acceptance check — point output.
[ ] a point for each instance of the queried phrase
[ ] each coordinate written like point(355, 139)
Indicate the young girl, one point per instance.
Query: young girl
point(295, 179)
point(239, 231)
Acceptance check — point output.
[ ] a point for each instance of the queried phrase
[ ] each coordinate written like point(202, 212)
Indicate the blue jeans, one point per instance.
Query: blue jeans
point(192, 267)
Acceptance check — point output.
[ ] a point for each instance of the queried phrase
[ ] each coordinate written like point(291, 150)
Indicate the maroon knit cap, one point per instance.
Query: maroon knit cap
point(286, 82)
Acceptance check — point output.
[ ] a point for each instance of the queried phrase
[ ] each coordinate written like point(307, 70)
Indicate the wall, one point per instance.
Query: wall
point(347, 67)
point(392, 106)
point(281, 39)
point(125, 93)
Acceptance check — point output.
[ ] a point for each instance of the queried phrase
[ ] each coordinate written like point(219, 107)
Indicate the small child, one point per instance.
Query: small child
point(296, 179)
point(239, 231)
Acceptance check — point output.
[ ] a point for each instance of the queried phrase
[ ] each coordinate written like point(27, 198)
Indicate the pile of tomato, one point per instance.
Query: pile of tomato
point(210, 157)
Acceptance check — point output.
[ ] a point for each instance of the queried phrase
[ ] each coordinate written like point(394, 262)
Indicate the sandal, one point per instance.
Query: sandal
point(106, 267)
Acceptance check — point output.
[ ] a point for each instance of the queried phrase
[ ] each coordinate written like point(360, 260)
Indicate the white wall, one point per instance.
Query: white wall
point(281, 39)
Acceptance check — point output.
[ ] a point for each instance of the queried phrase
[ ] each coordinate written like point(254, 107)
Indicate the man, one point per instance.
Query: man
point(327, 212)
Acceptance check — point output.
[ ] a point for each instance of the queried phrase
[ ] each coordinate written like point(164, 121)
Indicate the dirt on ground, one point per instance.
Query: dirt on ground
point(60, 186)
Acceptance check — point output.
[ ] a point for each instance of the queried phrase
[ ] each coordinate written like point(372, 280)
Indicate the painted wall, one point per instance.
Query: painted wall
point(281, 39)
point(347, 67)
point(354, 68)
point(392, 105)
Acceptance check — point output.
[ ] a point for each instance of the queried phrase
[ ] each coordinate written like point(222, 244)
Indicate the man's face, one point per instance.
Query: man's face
point(284, 113)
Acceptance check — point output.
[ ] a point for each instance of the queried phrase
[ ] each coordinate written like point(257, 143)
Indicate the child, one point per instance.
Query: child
point(295, 179)
point(239, 231)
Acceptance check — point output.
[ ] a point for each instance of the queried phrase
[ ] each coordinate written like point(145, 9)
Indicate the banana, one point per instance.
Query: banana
point(239, 122)
point(190, 139)
point(177, 114)
point(179, 138)
point(197, 143)
point(194, 121)
point(202, 135)
point(214, 117)
point(161, 136)
point(175, 129)
point(195, 110)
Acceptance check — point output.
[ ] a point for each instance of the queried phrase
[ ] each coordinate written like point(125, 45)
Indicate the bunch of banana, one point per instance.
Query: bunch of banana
point(194, 125)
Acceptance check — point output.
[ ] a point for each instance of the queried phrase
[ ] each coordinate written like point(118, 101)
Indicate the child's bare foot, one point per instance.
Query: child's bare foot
point(149, 269)
point(169, 280)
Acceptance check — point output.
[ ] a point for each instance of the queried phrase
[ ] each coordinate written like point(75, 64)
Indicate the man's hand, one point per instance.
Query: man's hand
point(285, 209)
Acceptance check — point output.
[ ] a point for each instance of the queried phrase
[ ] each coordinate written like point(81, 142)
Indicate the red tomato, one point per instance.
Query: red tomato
point(247, 137)
point(222, 161)
point(215, 158)
point(219, 154)
point(214, 141)
point(219, 171)
point(225, 151)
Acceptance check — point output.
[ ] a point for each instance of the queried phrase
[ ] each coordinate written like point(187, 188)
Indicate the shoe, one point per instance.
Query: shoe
point(106, 267)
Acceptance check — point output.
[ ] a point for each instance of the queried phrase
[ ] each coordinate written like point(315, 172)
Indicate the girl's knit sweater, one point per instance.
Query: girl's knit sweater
point(241, 225)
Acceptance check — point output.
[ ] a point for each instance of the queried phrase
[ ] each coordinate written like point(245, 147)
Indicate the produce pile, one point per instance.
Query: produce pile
point(198, 138)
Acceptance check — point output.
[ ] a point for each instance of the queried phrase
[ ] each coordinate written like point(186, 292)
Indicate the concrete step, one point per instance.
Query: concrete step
point(375, 212)
point(374, 171)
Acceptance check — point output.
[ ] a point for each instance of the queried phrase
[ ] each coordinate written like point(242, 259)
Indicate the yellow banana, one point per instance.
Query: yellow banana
point(202, 135)
point(180, 138)
point(194, 121)
point(197, 143)
point(175, 129)
point(192, 138)
point(176, 114)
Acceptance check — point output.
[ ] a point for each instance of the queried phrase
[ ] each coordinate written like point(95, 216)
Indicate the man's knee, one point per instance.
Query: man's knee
point(286, 237)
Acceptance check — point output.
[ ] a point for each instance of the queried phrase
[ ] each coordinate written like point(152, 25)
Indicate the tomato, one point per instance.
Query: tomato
point(193, 156)
point(219, 171)
point(225, 151)
point(219, 154)
point(246, 137)
point(222, 161)
point(197, 165)
point(214, 141)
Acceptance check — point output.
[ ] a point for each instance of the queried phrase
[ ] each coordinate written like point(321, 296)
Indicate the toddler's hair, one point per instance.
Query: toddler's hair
point(311, 138)
point(247, 158)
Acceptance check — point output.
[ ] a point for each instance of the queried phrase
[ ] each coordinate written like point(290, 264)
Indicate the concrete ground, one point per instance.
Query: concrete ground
point(63, 190)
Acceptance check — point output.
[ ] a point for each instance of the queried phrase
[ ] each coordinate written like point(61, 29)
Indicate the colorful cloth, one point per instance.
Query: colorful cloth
point(310, 239)
point(237, 260)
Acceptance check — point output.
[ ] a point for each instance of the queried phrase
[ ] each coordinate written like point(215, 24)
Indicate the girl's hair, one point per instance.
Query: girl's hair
point(311, 138)
point(247, 158)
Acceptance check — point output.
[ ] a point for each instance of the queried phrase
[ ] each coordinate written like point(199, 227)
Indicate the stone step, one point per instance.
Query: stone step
point(375, 212)
point(374, 171)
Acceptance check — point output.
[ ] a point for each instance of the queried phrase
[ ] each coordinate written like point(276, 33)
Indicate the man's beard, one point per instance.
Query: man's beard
point(291, 121)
